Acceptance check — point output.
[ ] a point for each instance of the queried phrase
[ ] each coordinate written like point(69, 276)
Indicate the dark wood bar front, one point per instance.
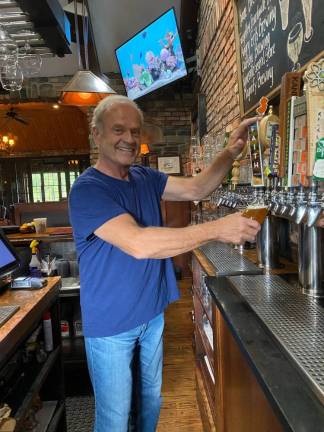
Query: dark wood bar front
point(253, 384)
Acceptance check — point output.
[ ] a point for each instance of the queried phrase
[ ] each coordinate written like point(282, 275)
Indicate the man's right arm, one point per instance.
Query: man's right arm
point(161, 242)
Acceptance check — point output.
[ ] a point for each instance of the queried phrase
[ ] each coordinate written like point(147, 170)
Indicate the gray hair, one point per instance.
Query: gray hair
point(107, 104)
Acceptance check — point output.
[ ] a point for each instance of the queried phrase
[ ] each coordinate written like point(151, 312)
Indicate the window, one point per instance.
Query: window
point(52, 179)
point(51, 186)
point(73, 176)
point(28, 180)
point(63, 185)
point(37, 187)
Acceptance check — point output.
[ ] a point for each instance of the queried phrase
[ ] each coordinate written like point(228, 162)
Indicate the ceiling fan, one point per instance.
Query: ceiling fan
point(12, 114)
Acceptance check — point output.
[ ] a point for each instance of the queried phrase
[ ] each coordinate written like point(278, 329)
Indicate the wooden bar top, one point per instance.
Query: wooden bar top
point(32, 304)
point(51, 234)
point(204, 262)
point(287, 266)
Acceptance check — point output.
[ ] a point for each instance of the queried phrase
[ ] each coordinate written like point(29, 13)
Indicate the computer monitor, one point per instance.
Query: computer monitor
point(9, 260)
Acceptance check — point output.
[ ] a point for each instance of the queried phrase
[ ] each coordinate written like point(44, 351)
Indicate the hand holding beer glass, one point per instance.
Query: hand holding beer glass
point(256, 211)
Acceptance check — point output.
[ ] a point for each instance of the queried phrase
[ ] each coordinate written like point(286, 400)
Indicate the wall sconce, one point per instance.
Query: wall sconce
point(144, 153)
point(144, 149)
point(7, 141)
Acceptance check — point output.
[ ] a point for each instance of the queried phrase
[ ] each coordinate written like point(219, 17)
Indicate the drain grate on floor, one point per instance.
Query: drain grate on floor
point(80, 413)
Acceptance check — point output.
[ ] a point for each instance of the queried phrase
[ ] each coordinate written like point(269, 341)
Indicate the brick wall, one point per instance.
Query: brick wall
point(217, 59)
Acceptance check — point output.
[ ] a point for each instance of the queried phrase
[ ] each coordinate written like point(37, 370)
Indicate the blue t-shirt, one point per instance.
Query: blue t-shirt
point(118, 291)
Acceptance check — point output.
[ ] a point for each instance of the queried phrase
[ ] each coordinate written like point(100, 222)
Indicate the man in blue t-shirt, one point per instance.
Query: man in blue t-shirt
point(126, 273)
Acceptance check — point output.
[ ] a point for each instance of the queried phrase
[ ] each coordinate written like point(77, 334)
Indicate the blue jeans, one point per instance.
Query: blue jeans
point(110, 361)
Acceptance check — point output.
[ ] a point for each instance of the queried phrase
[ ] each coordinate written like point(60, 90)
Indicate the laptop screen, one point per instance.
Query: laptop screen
point(8, 257)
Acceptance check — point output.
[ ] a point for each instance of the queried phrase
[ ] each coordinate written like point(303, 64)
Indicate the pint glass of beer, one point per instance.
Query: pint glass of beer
point(257, 212)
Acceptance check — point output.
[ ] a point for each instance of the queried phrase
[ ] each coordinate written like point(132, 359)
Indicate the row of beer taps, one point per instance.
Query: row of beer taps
point(297, 204)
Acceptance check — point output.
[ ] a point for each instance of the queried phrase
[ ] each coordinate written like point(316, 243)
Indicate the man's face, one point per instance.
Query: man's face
point(119, 140)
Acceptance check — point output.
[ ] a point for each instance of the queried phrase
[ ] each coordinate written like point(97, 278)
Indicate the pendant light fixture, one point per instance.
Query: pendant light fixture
point(85, 88)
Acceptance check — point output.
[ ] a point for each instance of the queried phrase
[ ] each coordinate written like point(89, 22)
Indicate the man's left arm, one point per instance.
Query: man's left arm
point(203, 184)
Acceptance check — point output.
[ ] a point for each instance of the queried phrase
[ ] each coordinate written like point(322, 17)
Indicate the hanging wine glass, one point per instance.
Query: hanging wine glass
point(8, 46)
point(8, 52)
point(4, 35)
point(11, 48)
point(30, 61)
point(11, 77)
point(3, 54)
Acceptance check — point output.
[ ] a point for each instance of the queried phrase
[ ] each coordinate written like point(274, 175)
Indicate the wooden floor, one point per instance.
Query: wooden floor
point(179, 408)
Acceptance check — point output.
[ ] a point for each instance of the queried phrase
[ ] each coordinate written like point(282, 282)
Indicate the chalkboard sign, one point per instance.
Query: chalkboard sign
point(275, 37)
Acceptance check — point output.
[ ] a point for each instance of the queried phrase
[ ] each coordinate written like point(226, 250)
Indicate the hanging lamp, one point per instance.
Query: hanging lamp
point(85, 88)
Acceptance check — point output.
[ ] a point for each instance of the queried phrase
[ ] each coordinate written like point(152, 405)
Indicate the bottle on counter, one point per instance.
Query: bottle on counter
point(34, 265)
point(48, 332)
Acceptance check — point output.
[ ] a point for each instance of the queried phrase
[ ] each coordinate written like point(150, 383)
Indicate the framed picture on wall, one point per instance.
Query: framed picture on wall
point(169, 164)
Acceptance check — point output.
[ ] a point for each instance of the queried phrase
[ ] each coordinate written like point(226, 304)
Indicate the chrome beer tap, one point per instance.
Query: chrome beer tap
point(289, 202)
point(273, 205)
point(281, 202)
point(267, 238)
point(275, 196)
point(300, 206)
point(311, 246)
point(314, 206)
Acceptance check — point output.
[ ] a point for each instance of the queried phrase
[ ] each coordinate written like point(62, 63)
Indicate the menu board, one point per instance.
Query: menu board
point(275, 37)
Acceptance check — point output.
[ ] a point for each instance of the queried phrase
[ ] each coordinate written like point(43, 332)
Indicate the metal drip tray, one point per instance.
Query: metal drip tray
point(296, 321)
point(227, 261)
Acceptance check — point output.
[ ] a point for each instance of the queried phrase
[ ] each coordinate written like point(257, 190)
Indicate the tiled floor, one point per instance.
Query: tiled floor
point(80, 413)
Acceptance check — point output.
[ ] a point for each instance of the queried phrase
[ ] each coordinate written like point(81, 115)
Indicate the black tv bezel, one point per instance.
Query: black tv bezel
point(140, 31)
point(14, 265)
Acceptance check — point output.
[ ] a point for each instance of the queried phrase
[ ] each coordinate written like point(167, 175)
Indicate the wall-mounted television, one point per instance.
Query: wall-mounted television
point(153, 57)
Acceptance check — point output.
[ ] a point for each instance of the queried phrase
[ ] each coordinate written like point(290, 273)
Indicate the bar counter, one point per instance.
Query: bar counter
point(31, 305)
point(280, 333)
point(51, 234)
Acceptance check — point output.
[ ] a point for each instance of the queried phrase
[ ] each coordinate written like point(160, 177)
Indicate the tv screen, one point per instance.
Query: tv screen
point(153, 57)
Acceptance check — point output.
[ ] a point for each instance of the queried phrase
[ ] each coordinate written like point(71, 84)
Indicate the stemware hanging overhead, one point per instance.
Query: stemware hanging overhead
point(30, 61)
point(11, 77)
point(8, 52)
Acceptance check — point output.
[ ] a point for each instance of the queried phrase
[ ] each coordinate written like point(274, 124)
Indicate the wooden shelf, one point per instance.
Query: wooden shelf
point(57, 418)
point(207, 349)
point(207, 313)
point(206, 410)
point(32, 304)
point(32, 378)
point(36, 386)
point(208, 384)
point(45, 415)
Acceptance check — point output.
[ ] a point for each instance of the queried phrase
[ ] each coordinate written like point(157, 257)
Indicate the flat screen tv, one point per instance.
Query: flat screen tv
point(153, 57)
